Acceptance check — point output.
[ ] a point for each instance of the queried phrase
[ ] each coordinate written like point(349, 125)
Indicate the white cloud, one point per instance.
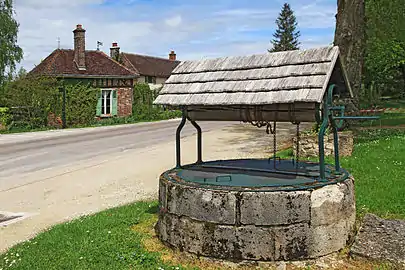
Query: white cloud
point(174, 21)
point(193, 30)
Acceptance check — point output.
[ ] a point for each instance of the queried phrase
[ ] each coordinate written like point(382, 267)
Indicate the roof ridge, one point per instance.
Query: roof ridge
point(149, 56)
point(261, 54)
point(123, 55)
point(116, 62)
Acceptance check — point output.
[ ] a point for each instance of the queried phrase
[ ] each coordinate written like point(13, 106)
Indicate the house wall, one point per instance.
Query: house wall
point(159, 82)
point(125, 96)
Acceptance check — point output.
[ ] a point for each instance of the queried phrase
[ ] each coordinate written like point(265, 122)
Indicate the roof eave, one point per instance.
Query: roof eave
point(93, 76)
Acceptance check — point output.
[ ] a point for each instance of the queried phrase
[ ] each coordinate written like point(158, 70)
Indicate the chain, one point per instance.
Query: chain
point(297, 147)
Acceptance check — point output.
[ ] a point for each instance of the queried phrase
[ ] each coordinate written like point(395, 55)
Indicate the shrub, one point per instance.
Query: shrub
point(81, 101)
point(5, 116)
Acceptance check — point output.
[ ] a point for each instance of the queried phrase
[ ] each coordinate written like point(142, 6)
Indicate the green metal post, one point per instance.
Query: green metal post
point(199, 141)
point(178, 132)
point(325, 122)
point(321, 145)
point(336, 146)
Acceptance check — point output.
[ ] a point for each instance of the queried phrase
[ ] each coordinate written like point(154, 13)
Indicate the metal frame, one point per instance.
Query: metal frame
point(327, 118)
point(184, 119)
point(336, 122)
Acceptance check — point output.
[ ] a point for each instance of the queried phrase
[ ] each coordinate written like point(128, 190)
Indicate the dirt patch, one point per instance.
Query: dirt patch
point(251, 139)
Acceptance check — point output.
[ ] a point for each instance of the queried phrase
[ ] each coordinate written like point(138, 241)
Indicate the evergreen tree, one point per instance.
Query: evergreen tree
point(286, 35)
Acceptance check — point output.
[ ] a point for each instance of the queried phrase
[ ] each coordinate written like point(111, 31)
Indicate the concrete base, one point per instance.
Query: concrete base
point(246, 224)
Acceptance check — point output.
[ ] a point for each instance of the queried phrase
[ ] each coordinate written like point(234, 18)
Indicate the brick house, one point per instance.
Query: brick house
point(151, 70)
point(115, 76)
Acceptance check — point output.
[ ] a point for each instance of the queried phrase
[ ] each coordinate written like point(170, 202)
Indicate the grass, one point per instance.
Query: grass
point(387, 119)
point(102, 241)
point(378, 166)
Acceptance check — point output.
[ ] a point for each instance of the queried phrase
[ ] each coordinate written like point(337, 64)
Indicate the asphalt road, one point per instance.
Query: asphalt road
point(19, 156)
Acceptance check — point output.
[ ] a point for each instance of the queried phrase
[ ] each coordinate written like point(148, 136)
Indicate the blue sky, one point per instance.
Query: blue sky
point(194, 29)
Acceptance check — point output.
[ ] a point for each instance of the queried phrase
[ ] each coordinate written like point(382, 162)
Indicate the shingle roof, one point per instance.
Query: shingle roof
point(149, 65)
point(60, 62)
point(271, 78)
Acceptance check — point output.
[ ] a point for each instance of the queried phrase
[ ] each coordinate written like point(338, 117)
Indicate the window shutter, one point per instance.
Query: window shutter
point(114, 103)
point(99, 102)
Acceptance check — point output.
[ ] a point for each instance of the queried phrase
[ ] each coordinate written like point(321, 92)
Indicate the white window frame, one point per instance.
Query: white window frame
point(104, 102)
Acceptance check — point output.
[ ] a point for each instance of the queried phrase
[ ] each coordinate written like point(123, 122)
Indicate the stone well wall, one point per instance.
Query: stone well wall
point(256, 225)
point(309, 145)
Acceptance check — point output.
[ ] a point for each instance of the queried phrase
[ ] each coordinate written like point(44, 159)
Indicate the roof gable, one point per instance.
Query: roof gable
point(149, 65)
point(272, 78)
point(61, 63)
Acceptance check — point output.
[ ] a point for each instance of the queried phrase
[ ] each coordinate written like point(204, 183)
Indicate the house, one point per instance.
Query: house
point(115, 76)
point(152, 70)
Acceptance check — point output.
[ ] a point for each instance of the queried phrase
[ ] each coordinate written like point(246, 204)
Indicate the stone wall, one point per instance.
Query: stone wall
point(309, 145)
point(125, 96)
point(256, 225)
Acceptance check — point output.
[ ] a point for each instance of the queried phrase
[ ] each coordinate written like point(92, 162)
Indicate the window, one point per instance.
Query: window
point(150, 79)
point(107, 103)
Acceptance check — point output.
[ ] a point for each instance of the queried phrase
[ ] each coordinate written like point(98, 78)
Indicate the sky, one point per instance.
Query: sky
point(193, 29)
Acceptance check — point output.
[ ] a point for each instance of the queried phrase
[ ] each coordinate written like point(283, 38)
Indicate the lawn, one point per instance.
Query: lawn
point(123, 237)
point(392, 119)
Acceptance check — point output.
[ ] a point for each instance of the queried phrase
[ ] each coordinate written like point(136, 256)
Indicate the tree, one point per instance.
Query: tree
point(286, 35)
point(385, 46)
point(350, 37)
point(10, 52)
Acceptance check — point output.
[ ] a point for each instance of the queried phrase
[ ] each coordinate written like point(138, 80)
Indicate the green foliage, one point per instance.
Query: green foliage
point(5, 116)
point(31, 100)
point(370, 95)
point(81, 101)
point(143, 108)
point(10, 52)
point(286, 35)
point(385, 48)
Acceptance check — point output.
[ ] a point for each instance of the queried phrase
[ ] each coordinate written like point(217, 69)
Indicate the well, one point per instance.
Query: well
point(254, 218)
point(258, 209)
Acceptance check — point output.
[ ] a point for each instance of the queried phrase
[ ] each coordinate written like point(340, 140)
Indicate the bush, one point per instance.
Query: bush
point(81, 102)
point(143, 108)
point(5, 116)
point(31, 99)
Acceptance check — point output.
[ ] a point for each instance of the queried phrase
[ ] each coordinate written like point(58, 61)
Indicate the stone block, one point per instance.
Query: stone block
point(256, 243)
point(274, 208)
point(202, 204)
point(223, 243)
point(163, 195)
point(325, 239)
point(291, 242)
point(332, 203)
point(381, 239)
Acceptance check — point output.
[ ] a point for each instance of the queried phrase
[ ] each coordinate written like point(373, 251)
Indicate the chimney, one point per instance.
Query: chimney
point(115, 51)
point(80, 47)
point(172, 56)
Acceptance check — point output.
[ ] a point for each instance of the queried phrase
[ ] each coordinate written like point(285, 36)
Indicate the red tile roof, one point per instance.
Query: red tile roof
point(60, 62)
point(149, 65)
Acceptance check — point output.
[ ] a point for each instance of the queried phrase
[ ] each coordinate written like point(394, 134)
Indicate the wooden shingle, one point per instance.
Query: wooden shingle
point(271, 78)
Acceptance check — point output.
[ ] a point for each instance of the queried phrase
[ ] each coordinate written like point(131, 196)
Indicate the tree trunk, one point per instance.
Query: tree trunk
point(350, 37)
